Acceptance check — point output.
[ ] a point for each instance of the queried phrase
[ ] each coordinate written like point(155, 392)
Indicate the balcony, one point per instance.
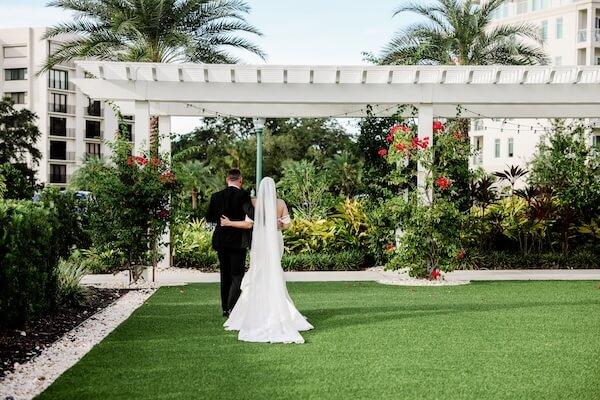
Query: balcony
point(94, 110)
point(94, 134)
point(61, 156)
point(61, 108)
point(69, 132)
point(59, 85)
point(58, 178)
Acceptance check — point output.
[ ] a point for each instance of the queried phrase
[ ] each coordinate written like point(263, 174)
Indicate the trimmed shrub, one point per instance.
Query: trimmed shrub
point(350, 260)
point(512, 260)
point(28, 259)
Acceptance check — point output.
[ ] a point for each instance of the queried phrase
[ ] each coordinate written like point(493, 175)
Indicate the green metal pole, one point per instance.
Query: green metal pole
point(259, 134)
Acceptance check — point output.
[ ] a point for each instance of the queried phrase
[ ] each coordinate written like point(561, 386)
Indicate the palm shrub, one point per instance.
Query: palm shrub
point(70, 291)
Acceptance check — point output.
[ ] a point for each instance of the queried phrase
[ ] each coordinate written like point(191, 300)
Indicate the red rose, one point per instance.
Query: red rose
point(389, 138)
point(382, 152)
point(389, 247)
point(438, 126)
point(401, 146)
point(435, 274)
point(129, 161)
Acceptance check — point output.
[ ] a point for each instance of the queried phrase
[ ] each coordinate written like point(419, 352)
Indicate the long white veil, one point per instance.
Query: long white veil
point(264, 311)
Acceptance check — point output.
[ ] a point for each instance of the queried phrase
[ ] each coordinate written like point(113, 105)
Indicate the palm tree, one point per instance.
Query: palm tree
point(459, 32)
point(153, 31)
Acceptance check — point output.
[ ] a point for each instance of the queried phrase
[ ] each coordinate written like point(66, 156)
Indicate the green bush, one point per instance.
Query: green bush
point(28, 259)
point(70, 219)
point(192, 245)
point(350, 260)
point(69, 273)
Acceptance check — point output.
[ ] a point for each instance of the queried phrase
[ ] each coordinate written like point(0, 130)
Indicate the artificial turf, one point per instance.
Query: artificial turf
point(486, 340)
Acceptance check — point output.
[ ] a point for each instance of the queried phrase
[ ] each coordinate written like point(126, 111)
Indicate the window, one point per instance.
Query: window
point(544, 31)
point(92, 149)
point(15, 74)
point(58, 79)
point(522, 6)
point(92, 130)
point(127, 131)
point(58, 150)
point(58, 126)
point(558, 60)
point(94, 108)
point(596, 141)
point(15, 51)
point(16, 97)
point(497, 148)
point(511, 147)
point(58, 173)
point(59, 103)
point(559, 28)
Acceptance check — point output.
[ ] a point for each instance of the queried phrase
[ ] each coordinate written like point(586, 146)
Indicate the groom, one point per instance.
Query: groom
point(231, 243)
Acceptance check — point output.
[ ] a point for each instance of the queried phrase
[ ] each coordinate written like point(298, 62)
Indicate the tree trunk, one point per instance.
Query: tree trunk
point(194, 198)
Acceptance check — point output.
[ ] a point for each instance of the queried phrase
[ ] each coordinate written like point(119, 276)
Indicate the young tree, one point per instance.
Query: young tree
point(18, 137)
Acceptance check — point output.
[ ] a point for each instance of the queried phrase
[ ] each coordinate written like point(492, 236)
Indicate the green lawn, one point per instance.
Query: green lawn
point(487, 340)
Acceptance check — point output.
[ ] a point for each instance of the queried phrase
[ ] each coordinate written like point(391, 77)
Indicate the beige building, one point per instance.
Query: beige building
point(73, 127)
point(571, 33)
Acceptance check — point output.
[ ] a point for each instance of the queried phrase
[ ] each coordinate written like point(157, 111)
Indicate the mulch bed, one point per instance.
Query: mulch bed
point(16, 347)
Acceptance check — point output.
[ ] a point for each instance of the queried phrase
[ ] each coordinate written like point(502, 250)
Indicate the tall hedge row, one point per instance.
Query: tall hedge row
point(28, 258)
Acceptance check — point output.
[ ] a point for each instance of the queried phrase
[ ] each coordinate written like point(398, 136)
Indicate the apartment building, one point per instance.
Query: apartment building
point(73, 126)
point(571, 33)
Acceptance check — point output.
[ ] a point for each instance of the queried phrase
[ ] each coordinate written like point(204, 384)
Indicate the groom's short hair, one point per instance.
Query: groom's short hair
point(234, 174)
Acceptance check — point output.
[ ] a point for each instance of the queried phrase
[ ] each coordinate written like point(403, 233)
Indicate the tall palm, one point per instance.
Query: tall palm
point(153, 31)
point(460, 31)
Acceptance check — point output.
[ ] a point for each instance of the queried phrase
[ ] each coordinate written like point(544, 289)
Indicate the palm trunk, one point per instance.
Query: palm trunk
point(154, 140)
point(194, 198)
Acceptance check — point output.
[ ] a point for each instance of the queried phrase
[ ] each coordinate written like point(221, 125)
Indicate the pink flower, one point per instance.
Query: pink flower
point(389, 138)
point(382, 152)
point(401, 147)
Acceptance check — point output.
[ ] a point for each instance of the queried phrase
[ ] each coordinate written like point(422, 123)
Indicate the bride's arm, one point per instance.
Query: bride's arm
point(283, 221)
point(246, 224)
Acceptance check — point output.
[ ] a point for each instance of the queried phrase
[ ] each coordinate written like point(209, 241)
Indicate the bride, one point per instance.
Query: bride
point(265, 312)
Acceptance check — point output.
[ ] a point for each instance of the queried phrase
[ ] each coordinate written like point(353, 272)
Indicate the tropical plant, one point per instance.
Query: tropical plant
point(345, 173)
point(511, 175)
point(69, 274)
point(460, 32)
point(153, 31)
point(305, 189)
point(192, 245)
point(567, 164)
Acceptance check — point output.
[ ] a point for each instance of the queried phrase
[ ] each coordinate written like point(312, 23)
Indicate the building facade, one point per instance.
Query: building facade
point(73, 127)
point(570, 30)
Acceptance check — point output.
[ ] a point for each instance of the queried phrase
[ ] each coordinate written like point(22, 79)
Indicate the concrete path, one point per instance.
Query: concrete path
point(179, 276)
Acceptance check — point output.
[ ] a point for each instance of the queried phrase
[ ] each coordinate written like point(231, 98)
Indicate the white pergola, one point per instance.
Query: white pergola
point(281, 91)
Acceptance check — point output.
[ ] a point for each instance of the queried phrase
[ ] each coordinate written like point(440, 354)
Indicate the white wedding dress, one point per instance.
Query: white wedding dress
point(265, 312)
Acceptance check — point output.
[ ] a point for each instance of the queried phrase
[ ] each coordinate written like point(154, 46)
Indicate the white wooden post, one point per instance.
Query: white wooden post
point(141, 127)
point(164, 131)
point(425, 130)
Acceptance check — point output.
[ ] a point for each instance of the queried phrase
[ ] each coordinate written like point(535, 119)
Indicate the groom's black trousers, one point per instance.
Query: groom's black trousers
point(232, 263)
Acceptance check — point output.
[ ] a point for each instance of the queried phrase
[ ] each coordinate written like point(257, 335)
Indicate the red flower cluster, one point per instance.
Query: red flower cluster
point(435, 274)
point(443, 182)
point(438, 126)
point(137, 159)
point(167, 177)
point(457, 135)
point(422, 143)
point(389, 247)
point(461, 254)
point(163, 213)
point(382, 152)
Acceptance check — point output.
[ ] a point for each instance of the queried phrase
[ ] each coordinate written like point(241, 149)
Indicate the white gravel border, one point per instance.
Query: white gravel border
point(32, 378)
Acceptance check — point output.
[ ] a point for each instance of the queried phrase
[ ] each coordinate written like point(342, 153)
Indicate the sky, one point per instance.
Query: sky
point(315, 32)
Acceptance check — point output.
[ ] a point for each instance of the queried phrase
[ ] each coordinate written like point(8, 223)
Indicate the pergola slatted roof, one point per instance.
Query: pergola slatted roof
point(345, 91)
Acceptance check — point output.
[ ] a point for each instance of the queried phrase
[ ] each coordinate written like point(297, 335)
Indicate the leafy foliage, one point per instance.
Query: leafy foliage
point(129, 206)
point(460, 32)
point(192, 246)
point(69, 273)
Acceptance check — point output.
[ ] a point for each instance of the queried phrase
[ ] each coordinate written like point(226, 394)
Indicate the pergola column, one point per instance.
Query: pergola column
point(141, 126)
point(425, 130)
point(164, 132)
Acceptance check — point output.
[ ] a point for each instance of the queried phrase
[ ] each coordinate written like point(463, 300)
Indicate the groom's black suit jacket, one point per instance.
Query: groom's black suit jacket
point(235, 204)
